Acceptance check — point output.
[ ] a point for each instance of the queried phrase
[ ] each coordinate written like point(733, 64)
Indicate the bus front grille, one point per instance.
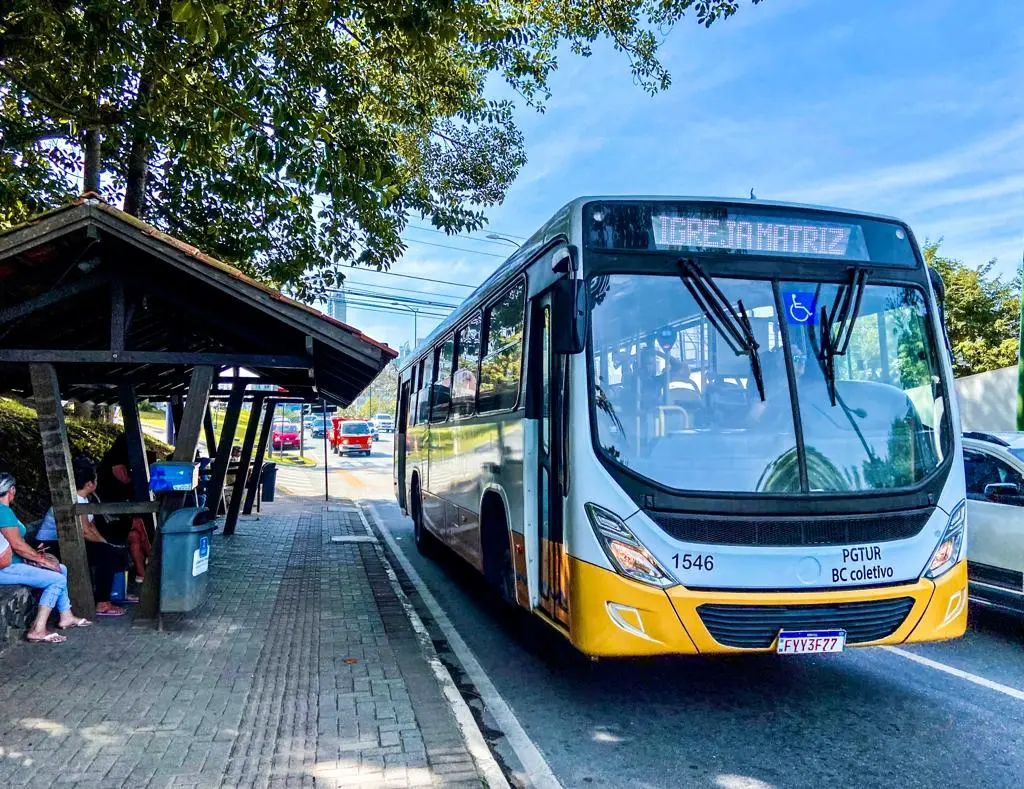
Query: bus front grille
point(756, 626)
point(792, 531)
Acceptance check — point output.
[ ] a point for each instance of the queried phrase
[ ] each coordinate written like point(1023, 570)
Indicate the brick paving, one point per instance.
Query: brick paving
point(301, 670)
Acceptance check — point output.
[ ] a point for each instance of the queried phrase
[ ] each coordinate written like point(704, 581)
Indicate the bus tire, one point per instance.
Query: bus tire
point(424, 540)
point(497, 549)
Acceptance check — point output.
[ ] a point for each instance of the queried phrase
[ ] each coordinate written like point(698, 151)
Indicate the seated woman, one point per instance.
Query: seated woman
point(105, 558)
point(29, 567)
point(114, 483)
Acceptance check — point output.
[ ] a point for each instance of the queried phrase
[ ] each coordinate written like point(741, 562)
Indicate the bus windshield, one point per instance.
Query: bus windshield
point(678, 402)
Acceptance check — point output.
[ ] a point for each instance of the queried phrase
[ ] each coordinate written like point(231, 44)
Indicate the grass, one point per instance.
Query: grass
point(290, 460)
point(21, 452)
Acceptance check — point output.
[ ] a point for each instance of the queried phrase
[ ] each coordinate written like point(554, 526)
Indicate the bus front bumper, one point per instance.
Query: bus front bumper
point(613, 616)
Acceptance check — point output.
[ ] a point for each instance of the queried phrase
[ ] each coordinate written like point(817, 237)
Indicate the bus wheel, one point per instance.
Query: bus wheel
point(497, 549)
point(424, 539)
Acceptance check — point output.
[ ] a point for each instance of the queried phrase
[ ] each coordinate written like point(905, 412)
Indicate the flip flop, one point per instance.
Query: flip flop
point(121, 612)
point(49, 638)
point(79, 622)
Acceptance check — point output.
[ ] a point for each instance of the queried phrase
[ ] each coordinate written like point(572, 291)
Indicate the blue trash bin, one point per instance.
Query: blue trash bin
point(268, 480)
point(185, 559)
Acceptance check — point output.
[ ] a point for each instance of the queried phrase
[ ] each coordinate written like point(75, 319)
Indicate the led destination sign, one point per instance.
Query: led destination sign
point(736, 229)
point(760, 236)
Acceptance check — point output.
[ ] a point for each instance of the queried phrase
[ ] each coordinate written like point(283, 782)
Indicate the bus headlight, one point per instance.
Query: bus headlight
point(950, 546)
point(624, 551)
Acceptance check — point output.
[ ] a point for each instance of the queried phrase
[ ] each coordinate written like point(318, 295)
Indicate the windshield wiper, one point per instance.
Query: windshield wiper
point(836, 326)
point(732, 324)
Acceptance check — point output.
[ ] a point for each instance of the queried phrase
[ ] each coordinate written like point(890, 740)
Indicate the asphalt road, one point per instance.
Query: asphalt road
point(868, 717)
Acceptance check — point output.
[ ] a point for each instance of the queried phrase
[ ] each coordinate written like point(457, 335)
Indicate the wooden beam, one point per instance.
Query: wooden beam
point(57, 459)
point(51, 297)
point(178, 409)
point(173, 358)
point(197, 406)
point(261, 451)
point(242, 475)
point(135, 443)
point(118, 317)
point(118, 508)
point(227, 440)
point(211, 436)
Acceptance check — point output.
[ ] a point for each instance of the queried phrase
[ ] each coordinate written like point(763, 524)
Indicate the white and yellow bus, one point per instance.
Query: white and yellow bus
point(690, 425)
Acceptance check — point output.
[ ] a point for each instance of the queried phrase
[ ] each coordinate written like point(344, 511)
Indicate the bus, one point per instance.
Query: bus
point(690, 425)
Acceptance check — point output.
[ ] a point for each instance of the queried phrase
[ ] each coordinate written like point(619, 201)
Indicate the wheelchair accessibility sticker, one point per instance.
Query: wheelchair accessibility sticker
point(201, 557)
point(799, 305)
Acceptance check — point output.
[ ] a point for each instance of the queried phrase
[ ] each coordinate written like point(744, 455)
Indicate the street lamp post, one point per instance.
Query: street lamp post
point(496, 237)
point(415, 320)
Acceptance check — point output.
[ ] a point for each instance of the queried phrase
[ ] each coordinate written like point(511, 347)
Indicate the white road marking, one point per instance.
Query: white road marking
point(1006, 690)
point(538, 773)
point(488, 766)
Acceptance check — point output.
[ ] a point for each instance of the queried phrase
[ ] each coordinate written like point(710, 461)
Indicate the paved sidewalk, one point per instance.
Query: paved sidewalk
point(302, 669)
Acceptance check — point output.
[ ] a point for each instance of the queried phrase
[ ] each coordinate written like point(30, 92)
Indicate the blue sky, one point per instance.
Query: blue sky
point(913, 108)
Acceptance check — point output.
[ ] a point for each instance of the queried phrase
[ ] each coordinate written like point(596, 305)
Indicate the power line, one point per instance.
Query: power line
point(422, 279)
point(457, 249)
point(467, 237)
point(392, 287)
point(396, 311)
point(400, 299)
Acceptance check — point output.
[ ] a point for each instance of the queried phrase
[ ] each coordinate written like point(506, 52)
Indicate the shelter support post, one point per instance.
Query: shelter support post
point(227, 439)
point(190, 426)
point(135, 442)
point(261, 451)
point(242, 475)
point(211, 436)
point(57, 458)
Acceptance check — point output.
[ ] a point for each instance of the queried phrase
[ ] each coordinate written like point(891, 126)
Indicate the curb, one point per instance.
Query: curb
point(487, 766)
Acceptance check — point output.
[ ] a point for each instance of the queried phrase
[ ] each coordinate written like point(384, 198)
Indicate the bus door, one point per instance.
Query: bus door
point(400, 431)
point(546, 374)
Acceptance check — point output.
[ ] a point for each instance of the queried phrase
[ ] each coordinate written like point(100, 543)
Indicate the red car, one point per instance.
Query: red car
point(351, 436)
point(286, 437)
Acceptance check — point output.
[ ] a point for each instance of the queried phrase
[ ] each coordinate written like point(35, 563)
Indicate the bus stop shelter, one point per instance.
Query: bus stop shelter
point(96, 305)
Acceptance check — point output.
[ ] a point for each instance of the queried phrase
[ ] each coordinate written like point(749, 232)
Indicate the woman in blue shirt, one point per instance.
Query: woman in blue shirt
point(29, 567)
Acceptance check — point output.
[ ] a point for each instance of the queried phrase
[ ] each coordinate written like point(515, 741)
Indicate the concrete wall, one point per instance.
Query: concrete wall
point(988, 401)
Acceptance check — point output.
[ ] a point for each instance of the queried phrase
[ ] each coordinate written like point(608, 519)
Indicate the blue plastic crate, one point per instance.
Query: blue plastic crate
point(170, 475)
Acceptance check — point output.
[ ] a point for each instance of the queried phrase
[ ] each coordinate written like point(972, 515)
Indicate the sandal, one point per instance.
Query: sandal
point(49, 638)
point(78, 622)
point(115, 612)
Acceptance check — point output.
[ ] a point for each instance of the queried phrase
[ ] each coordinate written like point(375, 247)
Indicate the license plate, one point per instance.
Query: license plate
point(807, 642)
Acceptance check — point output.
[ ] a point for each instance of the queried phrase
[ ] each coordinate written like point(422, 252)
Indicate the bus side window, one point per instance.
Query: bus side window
point(442, 391)
point(464, 379)
point(426, 375)
point(501, 367)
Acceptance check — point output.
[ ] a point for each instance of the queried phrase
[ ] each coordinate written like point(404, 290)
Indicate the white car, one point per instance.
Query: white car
point(994, 465)
point(384, 423)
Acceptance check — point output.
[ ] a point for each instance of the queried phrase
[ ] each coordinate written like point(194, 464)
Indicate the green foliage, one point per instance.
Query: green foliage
point(982, 313)
point(21, 452)
point(379, 397)
point(293, 138)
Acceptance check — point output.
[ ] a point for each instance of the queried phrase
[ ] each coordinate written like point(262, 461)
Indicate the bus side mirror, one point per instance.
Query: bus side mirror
point(569, 316)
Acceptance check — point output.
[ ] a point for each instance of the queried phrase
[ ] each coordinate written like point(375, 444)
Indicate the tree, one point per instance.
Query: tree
point(292, 137)
point(982, 313)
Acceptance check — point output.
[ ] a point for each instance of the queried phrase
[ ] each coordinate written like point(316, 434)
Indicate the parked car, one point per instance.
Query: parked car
point(352, 437)
point(384, 423)
point(994, 466)
point(286, 436)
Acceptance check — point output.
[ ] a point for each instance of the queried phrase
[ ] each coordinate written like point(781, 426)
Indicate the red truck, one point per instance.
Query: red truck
point(351, 436)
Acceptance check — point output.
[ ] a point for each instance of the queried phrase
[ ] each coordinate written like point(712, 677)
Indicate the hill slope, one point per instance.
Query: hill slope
point(21, 452)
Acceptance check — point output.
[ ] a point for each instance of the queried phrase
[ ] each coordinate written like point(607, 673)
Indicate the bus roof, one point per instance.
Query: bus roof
point(560, 224)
